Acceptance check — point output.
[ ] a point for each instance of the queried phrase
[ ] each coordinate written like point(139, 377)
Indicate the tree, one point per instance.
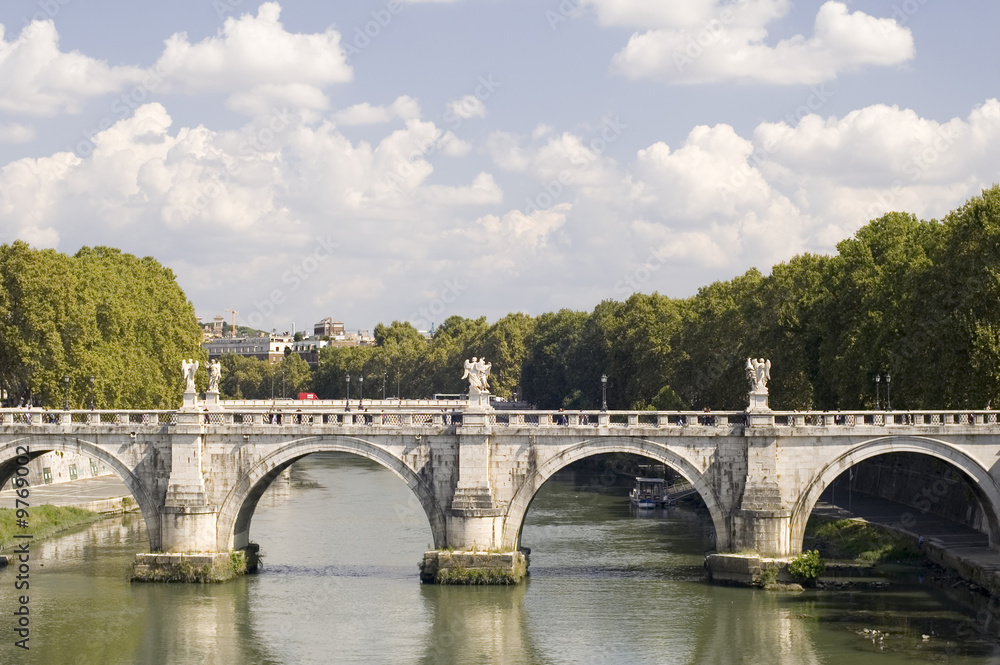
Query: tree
point(505, 346)
point(545, 376)
point(101, 313)
point(958, 305)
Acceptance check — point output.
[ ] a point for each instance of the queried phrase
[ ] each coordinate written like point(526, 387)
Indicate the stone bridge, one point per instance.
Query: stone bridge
point(197, 474)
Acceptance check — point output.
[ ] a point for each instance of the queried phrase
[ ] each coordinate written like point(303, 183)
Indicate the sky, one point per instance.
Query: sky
point(382, 160)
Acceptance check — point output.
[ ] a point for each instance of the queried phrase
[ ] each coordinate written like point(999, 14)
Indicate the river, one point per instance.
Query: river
point(339, 585)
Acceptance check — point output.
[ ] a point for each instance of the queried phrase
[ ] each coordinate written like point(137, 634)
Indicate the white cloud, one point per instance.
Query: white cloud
point(731, 46)
point(879, 143)
point(453, 146)
point(403, 107)
point(878, 159)
point(709, 181)
point(506, 242)
point(632, 13)
point(256, 200)
point(269, 185)
point(561, 160)
point(467, 107)
point(541, 130)
point(483, 190)
point(40, 80)
point(258, 60)
point(16, 133)
point(29, 193)
point(263, 99)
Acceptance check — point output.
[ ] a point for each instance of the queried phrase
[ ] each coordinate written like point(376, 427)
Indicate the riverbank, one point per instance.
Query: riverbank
point(858, 550)
point(59, 507)
point(42, 522)
point(859, 541)
point(960, 550)
point(855, 553)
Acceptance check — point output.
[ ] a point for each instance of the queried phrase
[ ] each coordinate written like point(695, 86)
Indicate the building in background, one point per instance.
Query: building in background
point(328, 327)
point(272, 348)
point(264, 347)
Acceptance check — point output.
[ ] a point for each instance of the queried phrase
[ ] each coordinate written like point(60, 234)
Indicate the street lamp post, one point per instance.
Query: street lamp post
point(348, 401)
point(361, 389)
point(66, 404)
point(91, 392)
point(878, 381)
point(383, 386)
point(604, 392)
point(888, 393)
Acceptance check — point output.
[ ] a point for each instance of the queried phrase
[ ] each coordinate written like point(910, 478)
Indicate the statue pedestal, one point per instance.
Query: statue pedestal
point(759, 413)
point(479, 402)
point(190, 401)
point(758, 401)
point(212, 401)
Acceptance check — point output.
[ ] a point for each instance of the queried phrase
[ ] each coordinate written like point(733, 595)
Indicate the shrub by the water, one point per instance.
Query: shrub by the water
point(806, 567)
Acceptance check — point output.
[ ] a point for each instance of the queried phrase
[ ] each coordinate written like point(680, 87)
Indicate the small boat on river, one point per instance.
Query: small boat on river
point(648, 493)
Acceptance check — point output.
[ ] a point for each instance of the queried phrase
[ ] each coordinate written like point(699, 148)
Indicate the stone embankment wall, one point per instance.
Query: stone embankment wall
point(62, 467)
point(927, 484)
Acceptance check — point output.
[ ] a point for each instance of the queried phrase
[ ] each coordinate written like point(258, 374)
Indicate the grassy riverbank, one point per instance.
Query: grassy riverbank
point(860, 541)
point(43, 521)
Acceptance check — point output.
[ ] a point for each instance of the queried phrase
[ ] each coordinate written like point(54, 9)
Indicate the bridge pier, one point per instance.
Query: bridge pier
point(764, 531)
point(761, 522)
point(475, 520)
point(188, 521)
point(475, 523)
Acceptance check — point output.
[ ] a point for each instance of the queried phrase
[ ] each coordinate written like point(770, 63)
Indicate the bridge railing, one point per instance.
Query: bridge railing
point(687, 421)
point(574, 419)
point(80, 417)
point(884, 418)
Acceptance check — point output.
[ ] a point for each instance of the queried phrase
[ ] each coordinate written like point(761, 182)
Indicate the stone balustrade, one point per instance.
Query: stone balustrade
point(401, 416)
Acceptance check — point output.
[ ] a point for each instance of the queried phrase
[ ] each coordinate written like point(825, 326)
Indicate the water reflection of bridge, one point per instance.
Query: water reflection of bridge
point(197, 475)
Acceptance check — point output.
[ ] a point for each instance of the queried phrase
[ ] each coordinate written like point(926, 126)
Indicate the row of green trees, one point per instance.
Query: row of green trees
point(917, 300)
point(100, 313)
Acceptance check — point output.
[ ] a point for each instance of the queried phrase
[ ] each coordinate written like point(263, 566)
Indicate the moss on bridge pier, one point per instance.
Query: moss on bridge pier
point(473, 567)
point(196, 567)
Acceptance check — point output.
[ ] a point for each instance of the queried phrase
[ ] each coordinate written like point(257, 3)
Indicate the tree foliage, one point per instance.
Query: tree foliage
point(101, 313)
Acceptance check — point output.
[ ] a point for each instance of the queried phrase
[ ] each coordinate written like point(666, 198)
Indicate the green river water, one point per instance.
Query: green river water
point(339, 585)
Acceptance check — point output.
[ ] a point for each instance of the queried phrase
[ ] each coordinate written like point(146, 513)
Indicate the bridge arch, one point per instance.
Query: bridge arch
point(237, 509)
point(41, 444)
point(983, 484)
point(518, 508)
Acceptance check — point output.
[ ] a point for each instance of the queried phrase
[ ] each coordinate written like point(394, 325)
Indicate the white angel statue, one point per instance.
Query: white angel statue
point(759, 373)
